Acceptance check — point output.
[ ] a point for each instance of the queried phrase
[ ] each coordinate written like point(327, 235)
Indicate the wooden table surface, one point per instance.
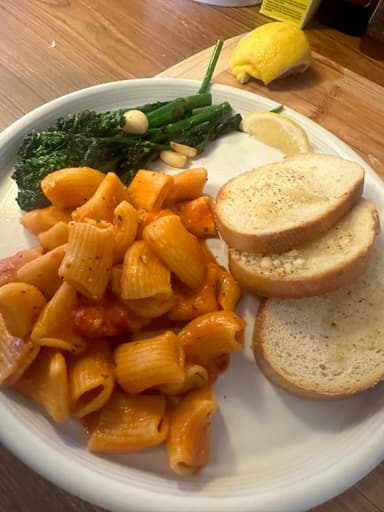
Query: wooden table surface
point(51, 47)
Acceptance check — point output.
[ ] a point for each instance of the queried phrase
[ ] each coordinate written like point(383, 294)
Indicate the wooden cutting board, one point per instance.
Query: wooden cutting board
point(347, 104)
point(352, 108)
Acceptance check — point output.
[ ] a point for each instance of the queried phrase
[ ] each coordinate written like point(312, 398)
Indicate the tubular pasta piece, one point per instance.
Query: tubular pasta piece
point(125, 222)
point(72, 186)
point(54, 236)
point(188, 443)
point(88, 259)
point(146, 217)
point(140, 365)
point(46, 382)
point(91, 378)
point(187, 185)
point(151, 307)
point(42, 271)
point(101, 205)
point(20, 305)
point(198, 217)
point(10, 265)
point(37, 221)
point(129, 423)
point(144, 274)
point(190, 304)
point(179, 249)
point(144, 335)
point(228, 290)
point(148, 189)
point(16, 355)
point(54, 327)
point(195, 376)
point(210, 338)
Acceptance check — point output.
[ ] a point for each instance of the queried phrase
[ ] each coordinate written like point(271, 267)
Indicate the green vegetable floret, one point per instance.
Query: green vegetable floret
point(105, 141)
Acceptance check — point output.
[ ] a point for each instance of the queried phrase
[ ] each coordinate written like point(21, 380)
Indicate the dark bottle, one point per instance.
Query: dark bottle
point(349, 16)
point(372, 42)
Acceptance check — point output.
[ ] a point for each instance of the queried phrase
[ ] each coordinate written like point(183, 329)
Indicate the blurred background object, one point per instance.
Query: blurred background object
point(349, 16)
point(298, 13)
point(229, 3)
point(372, 42)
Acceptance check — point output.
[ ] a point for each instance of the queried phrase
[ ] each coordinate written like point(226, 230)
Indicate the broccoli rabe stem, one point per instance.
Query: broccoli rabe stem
point(211, 67)
point(177, 109)
point(213, 114)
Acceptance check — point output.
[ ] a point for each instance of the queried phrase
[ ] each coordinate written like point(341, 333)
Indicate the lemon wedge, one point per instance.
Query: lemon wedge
point(271, 51)
point(277, 131)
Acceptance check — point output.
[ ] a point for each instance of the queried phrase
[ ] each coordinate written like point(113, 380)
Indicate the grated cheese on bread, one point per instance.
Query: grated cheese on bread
point(331, 261)
point(286, 204)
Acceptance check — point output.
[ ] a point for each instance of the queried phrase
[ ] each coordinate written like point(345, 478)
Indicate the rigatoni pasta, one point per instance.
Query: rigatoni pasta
point(198, 217)
point(126, 318)
point(54, 326)
point(188, 443)
point(140, 365)
point(54, 236)
point(209, 339)
point(144, 274)
point(72, 186)
point(37, 221)
point(42, 271)
point(190, 304)
point(171, 241)
point(101, 204)
point(46, 382)
point(151, 307)
point(187, 185)
point(228, 290)
point(16, 355)
point(195, 376)
point(91, 378)
point(128, 423)
point(125, 223)
point(20, 305)
point(148, 216)
point(88, 258)
point(149, 189)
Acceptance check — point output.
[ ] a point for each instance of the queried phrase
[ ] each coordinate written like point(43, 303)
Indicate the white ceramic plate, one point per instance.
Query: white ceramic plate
point(271, 452)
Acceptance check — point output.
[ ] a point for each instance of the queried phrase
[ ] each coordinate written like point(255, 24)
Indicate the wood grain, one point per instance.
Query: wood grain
point(99, 41)
point(52, 47)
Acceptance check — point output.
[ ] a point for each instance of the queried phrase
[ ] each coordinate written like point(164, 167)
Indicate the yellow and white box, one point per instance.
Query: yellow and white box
point(298, 12)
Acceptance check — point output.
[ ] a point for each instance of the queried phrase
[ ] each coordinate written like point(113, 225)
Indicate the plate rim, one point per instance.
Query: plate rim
point(318, 489)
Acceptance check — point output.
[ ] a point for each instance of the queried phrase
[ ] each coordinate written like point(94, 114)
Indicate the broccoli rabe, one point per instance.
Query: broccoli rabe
point(98, 140)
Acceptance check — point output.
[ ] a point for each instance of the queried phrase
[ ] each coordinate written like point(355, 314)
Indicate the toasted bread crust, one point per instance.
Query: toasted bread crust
point(300, 287)
point(318, 281)
point(283, 239)
point(325, 347)
point(308, 230)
